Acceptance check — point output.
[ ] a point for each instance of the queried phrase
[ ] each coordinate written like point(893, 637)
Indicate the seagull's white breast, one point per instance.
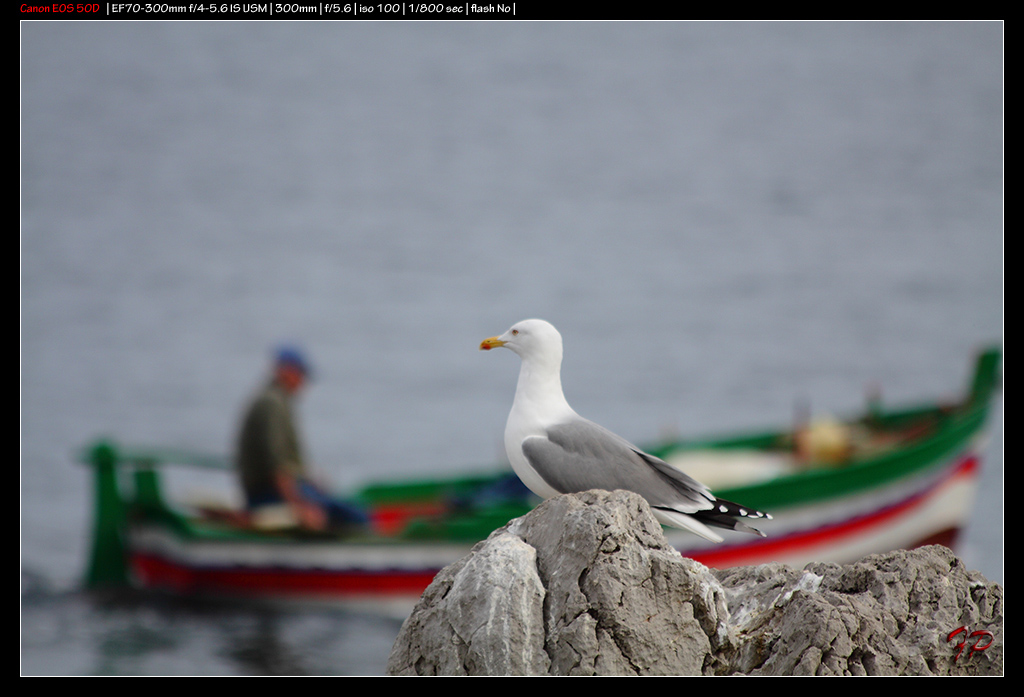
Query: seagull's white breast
point(527, 420)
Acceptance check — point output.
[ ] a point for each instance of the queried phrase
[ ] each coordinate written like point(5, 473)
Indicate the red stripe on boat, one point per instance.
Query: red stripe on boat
point(759, 552)
point(158, 572)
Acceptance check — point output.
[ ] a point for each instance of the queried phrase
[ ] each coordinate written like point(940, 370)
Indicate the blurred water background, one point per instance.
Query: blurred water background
point(723, 219)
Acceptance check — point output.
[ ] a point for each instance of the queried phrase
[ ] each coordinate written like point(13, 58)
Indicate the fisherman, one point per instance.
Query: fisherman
point(270, 461)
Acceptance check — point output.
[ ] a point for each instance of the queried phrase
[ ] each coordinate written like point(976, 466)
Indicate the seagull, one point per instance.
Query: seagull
point(555, 451)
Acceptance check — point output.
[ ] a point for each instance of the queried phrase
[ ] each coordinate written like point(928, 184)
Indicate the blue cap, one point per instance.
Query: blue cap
point(291, 355)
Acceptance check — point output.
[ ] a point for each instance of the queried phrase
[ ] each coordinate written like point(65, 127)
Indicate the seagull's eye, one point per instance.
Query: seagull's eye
point(515, 332)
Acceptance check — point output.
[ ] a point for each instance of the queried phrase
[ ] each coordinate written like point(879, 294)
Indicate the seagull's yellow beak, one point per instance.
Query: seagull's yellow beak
point(493, 342)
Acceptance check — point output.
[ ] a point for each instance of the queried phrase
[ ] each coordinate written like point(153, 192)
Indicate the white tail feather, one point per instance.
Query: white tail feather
point(681, 520)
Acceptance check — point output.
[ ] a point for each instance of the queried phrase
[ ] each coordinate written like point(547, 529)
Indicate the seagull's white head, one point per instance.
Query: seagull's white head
point(531, 339)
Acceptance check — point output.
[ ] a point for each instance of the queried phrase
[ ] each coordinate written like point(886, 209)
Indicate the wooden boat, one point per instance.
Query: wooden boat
point(888, 479)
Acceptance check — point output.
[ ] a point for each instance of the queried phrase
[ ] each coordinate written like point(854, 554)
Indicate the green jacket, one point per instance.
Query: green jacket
point(268, 444)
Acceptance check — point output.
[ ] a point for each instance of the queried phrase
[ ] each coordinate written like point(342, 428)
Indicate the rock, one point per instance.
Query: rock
point(887, 614)
point(480, 616)
point(586, 584)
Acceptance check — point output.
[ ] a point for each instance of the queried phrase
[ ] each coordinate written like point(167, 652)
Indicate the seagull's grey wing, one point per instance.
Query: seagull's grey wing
point(578, 455)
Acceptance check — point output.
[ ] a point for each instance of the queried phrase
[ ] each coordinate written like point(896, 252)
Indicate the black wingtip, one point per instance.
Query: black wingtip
point(731, 516)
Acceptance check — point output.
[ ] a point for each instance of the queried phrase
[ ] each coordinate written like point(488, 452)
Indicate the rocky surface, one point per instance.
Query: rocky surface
point(586, 584)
